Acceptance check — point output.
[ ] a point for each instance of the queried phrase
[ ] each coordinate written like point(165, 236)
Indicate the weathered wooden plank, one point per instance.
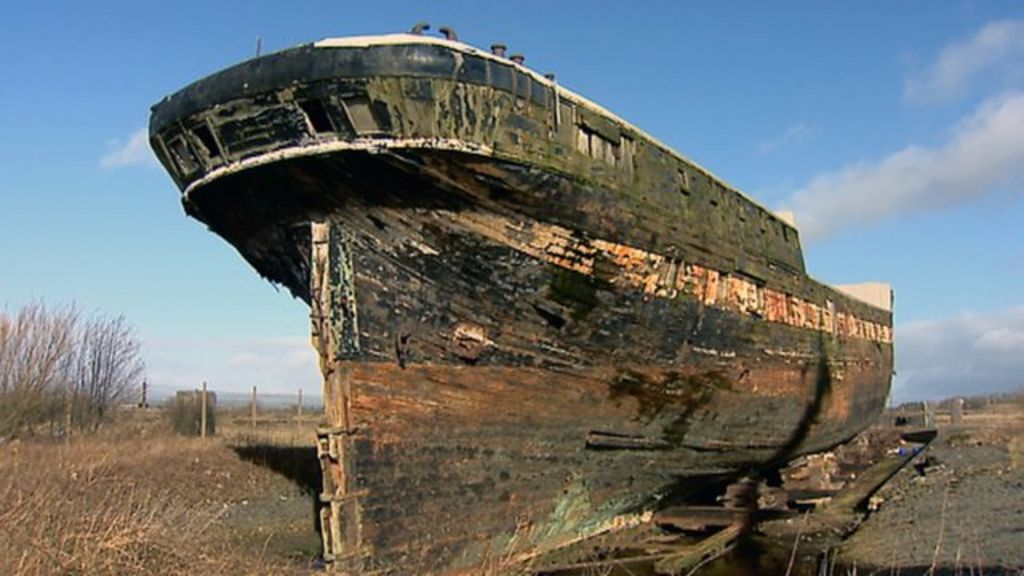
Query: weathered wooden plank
point(335, 336)
point(709, 547)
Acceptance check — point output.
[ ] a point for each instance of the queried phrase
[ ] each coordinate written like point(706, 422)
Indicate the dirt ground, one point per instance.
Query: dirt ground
point(959, 511)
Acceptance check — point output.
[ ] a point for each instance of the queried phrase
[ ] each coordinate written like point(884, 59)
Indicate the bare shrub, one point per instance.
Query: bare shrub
point(107, 365)
point(58, 370)
point(36, 354)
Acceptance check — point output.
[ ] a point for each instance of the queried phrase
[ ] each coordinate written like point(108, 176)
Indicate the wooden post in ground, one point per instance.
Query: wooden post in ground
point(252, 410)
point(298, 411)
point(68, 399)
point(202, 413)
point(956, 413)
point(929, 414)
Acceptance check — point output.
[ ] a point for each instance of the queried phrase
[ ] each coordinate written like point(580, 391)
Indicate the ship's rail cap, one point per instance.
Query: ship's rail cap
point(787, 217)
point(400, 39)
point(877, 294)
point(391, 39)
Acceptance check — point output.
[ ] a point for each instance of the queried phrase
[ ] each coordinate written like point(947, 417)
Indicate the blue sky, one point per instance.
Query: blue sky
point(894, 130)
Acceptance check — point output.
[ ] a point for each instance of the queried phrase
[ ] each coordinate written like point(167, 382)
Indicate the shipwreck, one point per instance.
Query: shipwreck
point(535, 322)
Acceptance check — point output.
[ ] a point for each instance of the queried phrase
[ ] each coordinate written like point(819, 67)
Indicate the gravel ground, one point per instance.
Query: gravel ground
point(960, 511)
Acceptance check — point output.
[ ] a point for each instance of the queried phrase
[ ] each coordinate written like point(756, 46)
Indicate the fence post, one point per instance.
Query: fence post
point(202, 413)
point(957, 411)
point(929, 414)
point(252, 410)
point(298, 411)
point(68, 407)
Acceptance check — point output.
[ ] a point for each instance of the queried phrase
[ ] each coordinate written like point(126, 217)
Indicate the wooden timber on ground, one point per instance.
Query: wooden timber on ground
point(665, 558)
point(840, 514)
point(665, 549)
point(700, 518)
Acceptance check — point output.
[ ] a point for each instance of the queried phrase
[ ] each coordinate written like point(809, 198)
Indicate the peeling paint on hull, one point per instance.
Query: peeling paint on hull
point(530, 331)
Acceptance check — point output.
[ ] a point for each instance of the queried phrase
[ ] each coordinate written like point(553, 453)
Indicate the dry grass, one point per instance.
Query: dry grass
point(111, 505)
point(277, 428)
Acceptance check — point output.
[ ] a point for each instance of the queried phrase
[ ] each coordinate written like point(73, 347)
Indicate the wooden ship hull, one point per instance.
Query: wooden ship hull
point(535, 323)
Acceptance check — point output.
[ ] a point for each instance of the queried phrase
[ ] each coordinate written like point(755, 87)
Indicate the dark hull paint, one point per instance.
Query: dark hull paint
point(579, 413)
point(516, 301)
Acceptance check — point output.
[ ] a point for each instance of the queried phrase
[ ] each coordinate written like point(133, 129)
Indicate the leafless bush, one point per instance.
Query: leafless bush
point(107, 366)
point(58, 370)
point(36, 354)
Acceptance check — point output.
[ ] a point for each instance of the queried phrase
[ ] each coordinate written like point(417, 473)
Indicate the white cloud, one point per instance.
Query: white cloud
point(961, 355)
point(984, 152)
point(131, 152)
point(1002, 340)
point(276, 366)
point(996, 51)
point(793, 135)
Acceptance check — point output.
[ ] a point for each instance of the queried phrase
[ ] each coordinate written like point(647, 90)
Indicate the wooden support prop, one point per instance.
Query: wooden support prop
point(596, 566)
point(704, 517)
point(252, 409)
point(202, 413)
point(710, 547)
point(845, 503)
point(843, 511)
